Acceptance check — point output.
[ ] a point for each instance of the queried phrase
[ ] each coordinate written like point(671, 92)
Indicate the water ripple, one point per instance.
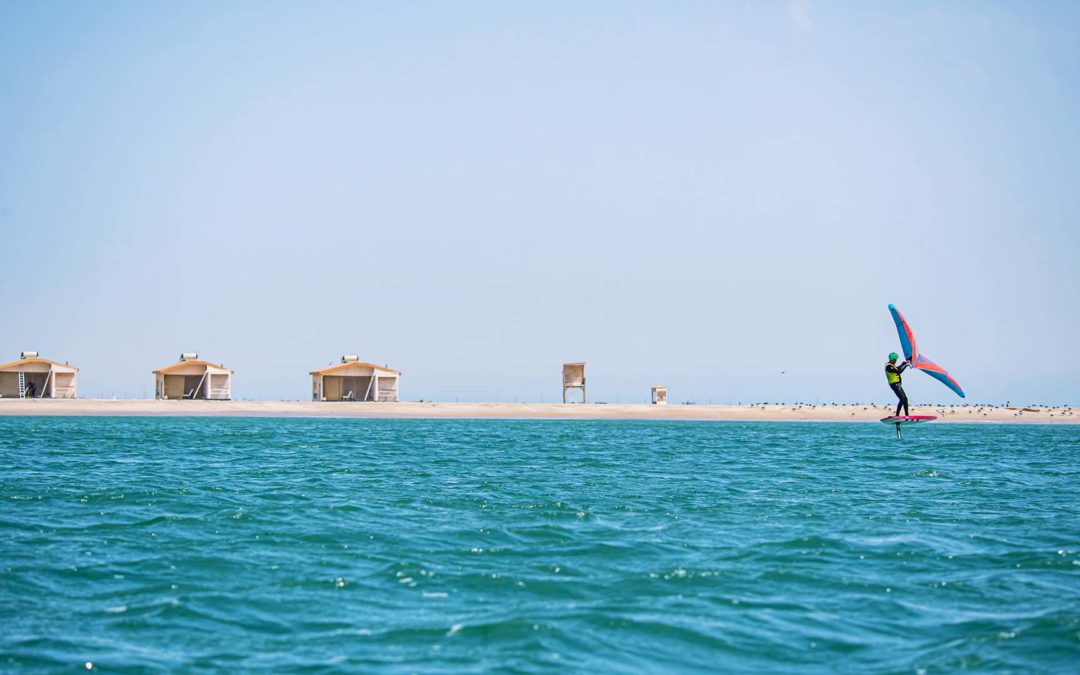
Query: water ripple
point(410, 545)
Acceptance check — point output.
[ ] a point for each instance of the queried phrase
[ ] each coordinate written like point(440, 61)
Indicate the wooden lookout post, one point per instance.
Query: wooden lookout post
point(573, 377)
point(659, 395)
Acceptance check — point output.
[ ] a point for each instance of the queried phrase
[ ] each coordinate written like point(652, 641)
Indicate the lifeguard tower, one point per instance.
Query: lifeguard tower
point(659, 395)
point(573, 377)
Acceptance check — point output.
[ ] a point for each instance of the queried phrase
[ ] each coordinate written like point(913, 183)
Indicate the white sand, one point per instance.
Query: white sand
point(792, 412)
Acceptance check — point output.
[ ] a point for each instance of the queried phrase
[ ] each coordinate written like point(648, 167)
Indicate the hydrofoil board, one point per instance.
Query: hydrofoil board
point(908, 419)
point(901, 420)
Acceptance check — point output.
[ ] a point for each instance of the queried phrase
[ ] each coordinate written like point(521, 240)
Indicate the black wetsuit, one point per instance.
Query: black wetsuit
point(893, 372)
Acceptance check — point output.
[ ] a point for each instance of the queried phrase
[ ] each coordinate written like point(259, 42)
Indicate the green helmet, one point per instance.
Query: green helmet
point(893, 356)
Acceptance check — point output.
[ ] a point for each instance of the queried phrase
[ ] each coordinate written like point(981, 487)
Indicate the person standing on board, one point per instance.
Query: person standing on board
point(892, 374)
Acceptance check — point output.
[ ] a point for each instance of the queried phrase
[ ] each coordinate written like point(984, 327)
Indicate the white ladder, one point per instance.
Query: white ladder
point(22, 385)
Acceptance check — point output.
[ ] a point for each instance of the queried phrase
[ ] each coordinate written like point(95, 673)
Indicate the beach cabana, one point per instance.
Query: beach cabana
point(355, 380)
point(34, 377)
point(190, 378)
point(573, 377)
point(659, 395)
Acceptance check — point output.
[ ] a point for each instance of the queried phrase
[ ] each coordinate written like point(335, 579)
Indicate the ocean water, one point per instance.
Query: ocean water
point(136, 544)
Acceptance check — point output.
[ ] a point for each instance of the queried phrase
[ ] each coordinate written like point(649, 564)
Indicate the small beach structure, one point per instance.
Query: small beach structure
point(659, 395)
point(191, 378)
point(34, 377)
point(355, 380)
point(573, 377)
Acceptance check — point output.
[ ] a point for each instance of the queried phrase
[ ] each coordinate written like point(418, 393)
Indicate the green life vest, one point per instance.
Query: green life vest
point(892, 374)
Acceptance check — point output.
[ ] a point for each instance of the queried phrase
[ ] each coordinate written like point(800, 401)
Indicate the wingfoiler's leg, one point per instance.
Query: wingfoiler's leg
point(902, 403)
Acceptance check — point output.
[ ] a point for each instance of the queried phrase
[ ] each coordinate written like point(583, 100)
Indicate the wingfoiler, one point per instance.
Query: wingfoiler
point(918, 362)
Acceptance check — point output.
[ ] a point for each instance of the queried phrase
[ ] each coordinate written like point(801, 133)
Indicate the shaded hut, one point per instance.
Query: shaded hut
point(355, 380)
point(573, 377)
point(34, 377)
point(191, 378)
point(659, 395)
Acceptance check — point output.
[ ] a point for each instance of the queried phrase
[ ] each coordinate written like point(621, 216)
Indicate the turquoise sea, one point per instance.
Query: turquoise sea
point(241, 544)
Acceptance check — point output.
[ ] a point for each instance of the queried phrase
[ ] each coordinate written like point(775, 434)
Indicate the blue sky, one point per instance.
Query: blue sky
point(695, 194)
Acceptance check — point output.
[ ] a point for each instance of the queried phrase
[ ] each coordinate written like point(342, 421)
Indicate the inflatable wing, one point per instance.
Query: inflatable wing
point(907, 338)
point(938, 373)
point(918, 361)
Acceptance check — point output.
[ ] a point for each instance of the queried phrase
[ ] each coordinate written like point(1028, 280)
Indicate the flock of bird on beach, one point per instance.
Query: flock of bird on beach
point(969, 409)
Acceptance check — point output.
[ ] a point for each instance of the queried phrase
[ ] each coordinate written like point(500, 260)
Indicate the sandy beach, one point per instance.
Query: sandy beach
point(435, 410)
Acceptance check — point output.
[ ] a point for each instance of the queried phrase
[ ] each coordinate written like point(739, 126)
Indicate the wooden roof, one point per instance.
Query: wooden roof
point(329, 370)
point(35, 359)
point(181, 364)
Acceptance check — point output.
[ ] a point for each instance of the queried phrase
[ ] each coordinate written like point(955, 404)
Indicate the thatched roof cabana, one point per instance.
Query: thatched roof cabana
point(191, 378)
point(34, 377)
point(355, 380)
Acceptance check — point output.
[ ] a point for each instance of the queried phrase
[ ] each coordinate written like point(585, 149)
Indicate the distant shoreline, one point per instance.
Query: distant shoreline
point(554, 411)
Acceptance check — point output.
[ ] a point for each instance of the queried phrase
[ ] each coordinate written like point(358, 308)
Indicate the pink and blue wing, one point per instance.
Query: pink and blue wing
point(907, 338)
point(938, 373)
